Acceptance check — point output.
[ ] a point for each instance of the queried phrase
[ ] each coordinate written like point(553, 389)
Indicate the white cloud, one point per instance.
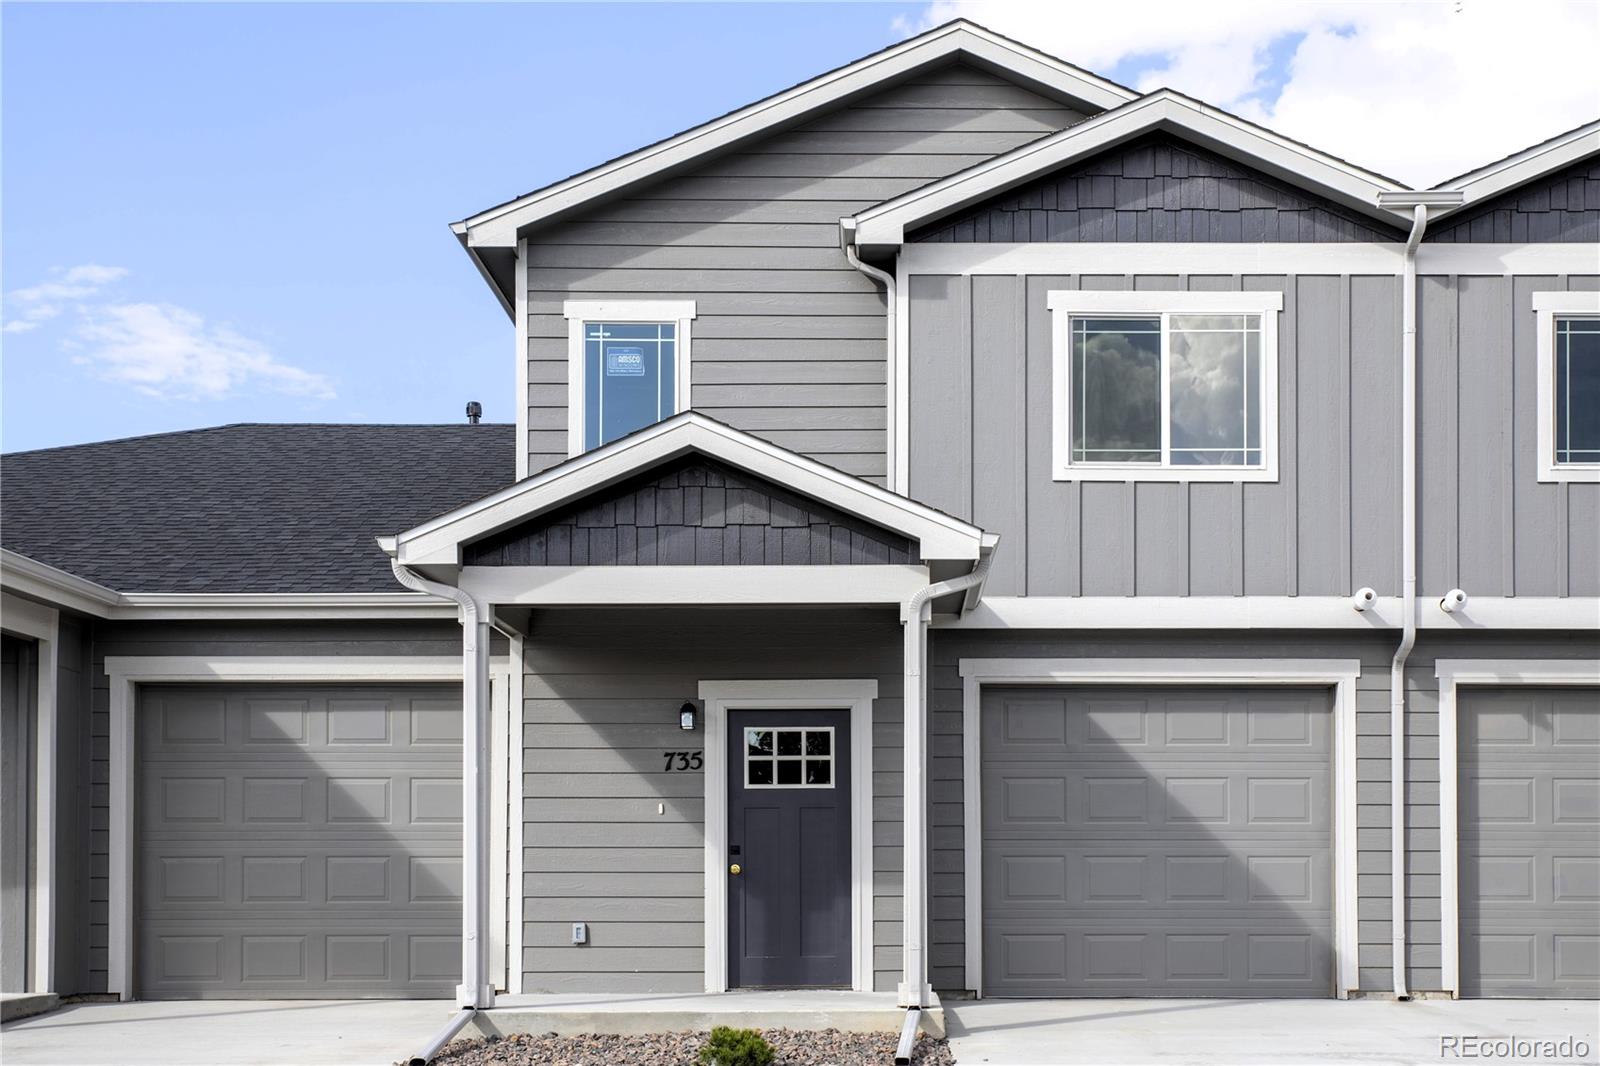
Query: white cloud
point(38, 304)
point(1420, 90)
point(172, 353)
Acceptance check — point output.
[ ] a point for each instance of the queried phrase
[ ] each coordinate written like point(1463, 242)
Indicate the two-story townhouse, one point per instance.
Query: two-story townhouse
point(968, 526)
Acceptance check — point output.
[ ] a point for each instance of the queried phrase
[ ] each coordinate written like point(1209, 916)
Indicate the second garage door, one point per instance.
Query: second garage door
point(299, 842)
point(1157, 842)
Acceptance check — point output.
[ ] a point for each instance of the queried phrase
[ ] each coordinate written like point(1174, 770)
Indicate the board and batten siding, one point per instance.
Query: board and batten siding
point(1485, 522)
point(981, 431)
point(601, 698)
point(1373, 816)
point(789, 340)
point(309, 639)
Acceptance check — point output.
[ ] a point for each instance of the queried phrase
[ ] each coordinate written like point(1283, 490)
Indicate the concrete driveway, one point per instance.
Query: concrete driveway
point(1124, 1032)
point(225, 1033)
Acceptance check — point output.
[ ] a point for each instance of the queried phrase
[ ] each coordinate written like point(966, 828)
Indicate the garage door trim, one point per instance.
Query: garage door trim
point(1340, 674)
point(1453, 673)
point(127, 672)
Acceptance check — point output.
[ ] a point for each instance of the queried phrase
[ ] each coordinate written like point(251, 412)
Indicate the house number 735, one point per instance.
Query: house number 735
point(683, 760)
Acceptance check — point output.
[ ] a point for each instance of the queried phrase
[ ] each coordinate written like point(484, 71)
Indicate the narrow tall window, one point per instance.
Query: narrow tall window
point(628, 367)
point(1176, 386)
point(1577, 390)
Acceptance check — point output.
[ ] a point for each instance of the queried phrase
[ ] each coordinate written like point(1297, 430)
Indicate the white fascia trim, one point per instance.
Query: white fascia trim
point(1064, 304)
point(681, 313)
point(498, 226)
point(1546, 306)
point(126, 672)
point(519, 300)
point(438, 542)
point(1340, 674)
point(883, 227)
point(1272, 612)
point(1453, 673)
point(1378, 258)
point(30, 577)
point(1527, 165)
point(719, 697)
point(41, 624)
point(577, 586)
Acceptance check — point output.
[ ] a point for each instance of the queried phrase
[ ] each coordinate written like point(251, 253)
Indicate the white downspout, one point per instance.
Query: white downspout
point(914, 991)
point(474, 992)
point(1408, 597)
point(847, 230)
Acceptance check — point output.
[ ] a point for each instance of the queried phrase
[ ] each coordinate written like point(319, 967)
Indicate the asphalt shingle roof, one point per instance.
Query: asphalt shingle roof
point(244, 508)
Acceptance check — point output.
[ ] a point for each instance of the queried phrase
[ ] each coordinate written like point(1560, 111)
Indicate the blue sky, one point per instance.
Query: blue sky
point(232, 212)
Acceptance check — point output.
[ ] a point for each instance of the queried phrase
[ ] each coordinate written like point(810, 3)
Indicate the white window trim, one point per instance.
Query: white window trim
point(1546, 306)
point(1065, 303)
point(126, 672)
point(41, 624)
point(720, 697)
point(1491, 673)
point(1340, 674)
point(679, 312)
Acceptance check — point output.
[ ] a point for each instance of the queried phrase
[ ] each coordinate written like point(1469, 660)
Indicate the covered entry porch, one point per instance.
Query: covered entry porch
point(723, 648)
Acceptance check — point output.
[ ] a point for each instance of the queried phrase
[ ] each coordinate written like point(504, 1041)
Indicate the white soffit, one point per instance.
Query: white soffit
point(956, 41)
point(438, 542)
point(883, 227)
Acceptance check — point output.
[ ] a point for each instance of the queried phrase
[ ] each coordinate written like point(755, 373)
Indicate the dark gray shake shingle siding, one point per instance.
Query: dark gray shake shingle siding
point(789, 340)
point(1156, 189)
point(698, 512)
point(1561, 208)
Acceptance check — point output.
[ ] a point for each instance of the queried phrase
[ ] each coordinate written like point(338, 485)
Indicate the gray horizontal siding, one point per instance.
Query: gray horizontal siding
point(600, 699)
point(210, 638)
point(981, 433)
point(789, 340)
point(1561, 208)
point(1156, 189)
point(1486, 524)
point(1373, 825)
point(695, 512)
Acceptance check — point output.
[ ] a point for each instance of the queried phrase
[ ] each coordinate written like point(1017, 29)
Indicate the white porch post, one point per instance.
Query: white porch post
point(914, 991)
point(475, 989)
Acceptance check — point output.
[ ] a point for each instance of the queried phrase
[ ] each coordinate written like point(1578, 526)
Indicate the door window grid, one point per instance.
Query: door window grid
point(789, 758)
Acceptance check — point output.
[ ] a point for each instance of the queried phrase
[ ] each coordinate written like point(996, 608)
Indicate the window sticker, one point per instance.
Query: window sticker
point(624, 362)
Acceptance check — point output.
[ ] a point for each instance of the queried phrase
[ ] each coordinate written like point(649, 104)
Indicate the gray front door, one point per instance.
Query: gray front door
point(1529, 853)
point(1157, 842)
point(298, 841)
point(789, 835)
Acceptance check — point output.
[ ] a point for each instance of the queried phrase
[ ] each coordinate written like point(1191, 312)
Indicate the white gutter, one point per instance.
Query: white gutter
point(914, 613)
point(1419, 204)
point(847, 234)
point(474, 992)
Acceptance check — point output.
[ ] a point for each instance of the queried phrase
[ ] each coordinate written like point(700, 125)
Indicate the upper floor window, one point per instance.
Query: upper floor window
point(1569, 385)
point(628, 367)
point(1165, 386)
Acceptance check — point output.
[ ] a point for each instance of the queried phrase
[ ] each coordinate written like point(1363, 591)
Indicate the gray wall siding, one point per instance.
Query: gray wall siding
point(1156, 189)
point(1373, 824)
point(75, 869)
point(1560, 208)
point(1486, 524)
point(981, 432)
point(601, 696)
point(695, 512)
point(789, 342)
point(214, 638)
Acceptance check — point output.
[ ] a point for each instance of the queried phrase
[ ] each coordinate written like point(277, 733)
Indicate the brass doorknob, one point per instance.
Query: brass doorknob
point(734, 869)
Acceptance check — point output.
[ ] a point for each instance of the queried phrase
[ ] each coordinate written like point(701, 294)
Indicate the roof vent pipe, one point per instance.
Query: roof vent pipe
point(474, 412)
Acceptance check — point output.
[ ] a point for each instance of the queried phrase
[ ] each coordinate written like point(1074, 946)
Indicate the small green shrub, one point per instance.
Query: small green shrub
point(736, 1047)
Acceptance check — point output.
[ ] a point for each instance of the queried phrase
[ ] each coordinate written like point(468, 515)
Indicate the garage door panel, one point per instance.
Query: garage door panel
point(299, 842)
point(1529, 850)
point(1157, 842)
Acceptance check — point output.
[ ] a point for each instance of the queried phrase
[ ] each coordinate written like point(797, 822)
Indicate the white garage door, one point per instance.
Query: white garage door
point(298, 842)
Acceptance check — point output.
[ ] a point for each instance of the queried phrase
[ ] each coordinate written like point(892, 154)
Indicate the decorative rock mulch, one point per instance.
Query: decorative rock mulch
point(795, 1047)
